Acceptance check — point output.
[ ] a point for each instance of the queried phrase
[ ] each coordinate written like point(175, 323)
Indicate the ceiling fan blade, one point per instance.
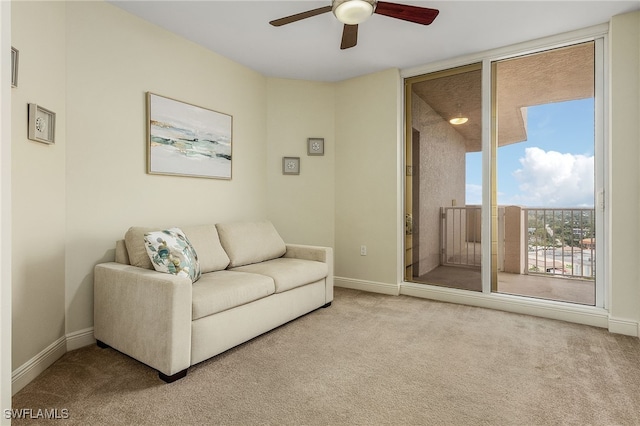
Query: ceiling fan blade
point(299, 16)
point(419, 15)
point(349, 36)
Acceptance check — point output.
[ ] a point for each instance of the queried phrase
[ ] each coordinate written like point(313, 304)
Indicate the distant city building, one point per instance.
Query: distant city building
point(589, 243)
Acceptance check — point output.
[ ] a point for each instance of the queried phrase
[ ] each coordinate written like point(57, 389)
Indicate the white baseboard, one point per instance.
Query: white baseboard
point(28, 371)
point(370, 286)
point(624, 326)
point(80, 339)
point(31, 369)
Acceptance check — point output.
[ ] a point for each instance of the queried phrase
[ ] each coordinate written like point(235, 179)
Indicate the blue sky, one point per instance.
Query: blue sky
point(553, 167)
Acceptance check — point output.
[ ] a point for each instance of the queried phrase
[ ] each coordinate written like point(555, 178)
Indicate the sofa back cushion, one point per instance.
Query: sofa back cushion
point(136, 249)
point(121, 253)
point(205, 241)
point(203, 238)
point(250, 242)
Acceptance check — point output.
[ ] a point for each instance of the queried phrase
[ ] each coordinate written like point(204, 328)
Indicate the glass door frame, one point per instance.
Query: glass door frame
point(408, 151)
point(489, 191)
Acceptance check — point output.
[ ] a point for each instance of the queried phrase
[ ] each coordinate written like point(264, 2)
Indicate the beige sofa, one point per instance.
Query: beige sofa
point(251, 282)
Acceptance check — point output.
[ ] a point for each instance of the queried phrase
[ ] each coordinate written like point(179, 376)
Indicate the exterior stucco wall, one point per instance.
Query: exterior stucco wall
point(442, 178)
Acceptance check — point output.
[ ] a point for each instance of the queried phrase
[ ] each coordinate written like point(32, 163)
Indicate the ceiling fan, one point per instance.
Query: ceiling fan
point(353, 12)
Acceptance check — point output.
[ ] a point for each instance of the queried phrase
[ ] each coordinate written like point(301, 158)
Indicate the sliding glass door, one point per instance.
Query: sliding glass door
point(542, 169)
point(443, 181)
point(545, 170)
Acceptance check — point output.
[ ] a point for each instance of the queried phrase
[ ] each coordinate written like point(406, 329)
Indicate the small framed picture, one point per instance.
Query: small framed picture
point(290, 165)
point(315, 146)
point(14, 67)
point(42, 124)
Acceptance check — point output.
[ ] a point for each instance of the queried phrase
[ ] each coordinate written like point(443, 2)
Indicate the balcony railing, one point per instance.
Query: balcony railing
point(461, 228)
point(549, 241)
point(561, 242)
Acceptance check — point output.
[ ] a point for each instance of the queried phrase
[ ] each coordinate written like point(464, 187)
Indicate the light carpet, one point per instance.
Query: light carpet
point(369, 359)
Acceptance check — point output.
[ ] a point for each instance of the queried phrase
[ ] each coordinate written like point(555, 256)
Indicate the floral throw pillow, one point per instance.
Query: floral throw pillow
point(171, 252)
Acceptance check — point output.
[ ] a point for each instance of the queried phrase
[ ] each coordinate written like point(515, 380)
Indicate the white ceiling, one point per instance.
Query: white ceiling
point(310, 49)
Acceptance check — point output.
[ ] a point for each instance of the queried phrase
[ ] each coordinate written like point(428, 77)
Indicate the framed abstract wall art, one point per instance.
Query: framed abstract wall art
point(187, 140)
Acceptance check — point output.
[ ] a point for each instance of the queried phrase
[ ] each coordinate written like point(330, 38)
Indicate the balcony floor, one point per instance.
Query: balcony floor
point(537, 286)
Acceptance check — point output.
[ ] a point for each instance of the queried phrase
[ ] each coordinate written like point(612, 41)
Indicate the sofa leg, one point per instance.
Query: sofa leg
point(327, 305)
point(170, 379)
point(101, 344)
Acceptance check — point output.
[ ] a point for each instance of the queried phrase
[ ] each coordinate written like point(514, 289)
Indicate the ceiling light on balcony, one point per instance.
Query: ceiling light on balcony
point(459, 118)
point(353, 12)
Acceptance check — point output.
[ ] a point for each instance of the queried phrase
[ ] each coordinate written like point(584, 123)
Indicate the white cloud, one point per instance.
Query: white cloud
point(473, 194)
point(553, 179)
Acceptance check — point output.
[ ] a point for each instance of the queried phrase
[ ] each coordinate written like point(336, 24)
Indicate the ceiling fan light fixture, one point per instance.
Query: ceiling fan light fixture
point(353, 12)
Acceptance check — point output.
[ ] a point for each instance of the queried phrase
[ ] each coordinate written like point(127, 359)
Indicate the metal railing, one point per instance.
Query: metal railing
point(460, 236)
point(557, 241)
point(561, 242)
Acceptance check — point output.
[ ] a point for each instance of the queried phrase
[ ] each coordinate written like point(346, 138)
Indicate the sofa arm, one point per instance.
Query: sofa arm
point(144, 314)
point(319, 254)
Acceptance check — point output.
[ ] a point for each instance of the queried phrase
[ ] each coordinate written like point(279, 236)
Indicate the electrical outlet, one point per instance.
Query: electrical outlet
point(363, 250)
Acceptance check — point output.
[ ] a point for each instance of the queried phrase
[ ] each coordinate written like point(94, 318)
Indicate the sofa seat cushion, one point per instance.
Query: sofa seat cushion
point(221, 290)
point(288, 273)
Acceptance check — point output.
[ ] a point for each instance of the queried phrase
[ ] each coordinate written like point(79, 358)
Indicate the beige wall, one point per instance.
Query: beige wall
point(624, 170)
point(301, 206)
point(367, 189)
point(39, 179)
